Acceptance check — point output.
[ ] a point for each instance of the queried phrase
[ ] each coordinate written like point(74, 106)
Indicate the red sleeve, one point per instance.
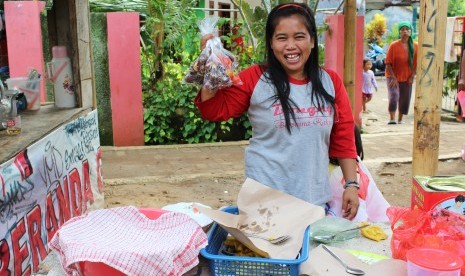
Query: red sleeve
point(342, 140)
point(232, 101)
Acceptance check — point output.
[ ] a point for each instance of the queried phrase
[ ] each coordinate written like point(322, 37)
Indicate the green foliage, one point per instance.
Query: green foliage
point(393, 34)
point(118, 5)
point(375, 30)
point(170, 116)
point(456, 8)
point(451, 72)
point(321, 54)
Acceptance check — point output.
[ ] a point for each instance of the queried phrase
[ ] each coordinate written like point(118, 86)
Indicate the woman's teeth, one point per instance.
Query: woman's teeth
point(292, 57)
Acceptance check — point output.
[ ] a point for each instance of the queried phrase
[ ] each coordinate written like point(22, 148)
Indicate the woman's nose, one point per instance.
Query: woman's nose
point(290, 44)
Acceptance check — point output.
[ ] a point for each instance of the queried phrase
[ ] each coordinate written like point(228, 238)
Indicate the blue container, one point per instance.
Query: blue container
point(223, 265)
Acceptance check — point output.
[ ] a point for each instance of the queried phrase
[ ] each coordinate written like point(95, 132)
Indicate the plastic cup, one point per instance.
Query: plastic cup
point(432, 262)
point(13, 125)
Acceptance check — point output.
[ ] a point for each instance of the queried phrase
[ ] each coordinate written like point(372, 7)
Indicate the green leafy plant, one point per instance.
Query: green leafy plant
point(393, 34)
point(375, 30)
point(451, 72)
point(170, 115)
point(118, 5)
point(456, 8)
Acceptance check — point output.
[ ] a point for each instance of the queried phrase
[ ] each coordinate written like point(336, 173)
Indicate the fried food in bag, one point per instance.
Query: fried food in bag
point(215, 66)
point(373, 232)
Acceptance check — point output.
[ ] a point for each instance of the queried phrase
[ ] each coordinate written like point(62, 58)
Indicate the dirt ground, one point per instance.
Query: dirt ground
point(393, 179)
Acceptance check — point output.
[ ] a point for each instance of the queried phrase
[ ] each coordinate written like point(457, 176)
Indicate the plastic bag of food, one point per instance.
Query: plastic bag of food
point(215, 66)
point(437, 228)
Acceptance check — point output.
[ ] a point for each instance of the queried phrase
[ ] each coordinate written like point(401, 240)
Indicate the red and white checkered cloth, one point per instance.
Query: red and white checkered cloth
point(127, 240)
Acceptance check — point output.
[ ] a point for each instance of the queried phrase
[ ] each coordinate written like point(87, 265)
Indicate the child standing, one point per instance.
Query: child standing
point(369, 82)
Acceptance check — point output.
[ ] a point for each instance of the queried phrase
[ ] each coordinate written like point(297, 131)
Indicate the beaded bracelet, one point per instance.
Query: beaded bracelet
point(351, 183)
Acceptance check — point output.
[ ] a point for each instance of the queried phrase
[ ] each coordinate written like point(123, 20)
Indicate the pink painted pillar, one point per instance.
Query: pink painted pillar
point(125, 78)
point(334, 55)
point(334, 44)
point(24, 39)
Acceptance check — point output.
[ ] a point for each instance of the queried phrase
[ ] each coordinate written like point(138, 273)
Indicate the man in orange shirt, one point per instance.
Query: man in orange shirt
point(401, 65)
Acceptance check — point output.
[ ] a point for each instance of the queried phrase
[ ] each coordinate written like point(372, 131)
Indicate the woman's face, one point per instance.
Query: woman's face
point(292, 44)
point(404, 31)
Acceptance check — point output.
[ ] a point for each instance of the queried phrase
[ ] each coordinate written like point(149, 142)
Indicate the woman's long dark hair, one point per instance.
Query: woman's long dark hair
point(276, 73)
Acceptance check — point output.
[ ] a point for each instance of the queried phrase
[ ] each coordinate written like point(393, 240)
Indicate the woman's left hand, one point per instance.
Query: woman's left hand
point(350, 203)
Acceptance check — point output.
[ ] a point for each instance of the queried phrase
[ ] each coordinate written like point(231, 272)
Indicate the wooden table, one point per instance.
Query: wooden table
point(35, 125)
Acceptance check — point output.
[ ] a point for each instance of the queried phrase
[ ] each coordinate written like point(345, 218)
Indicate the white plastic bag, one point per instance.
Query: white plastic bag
point(373, 205)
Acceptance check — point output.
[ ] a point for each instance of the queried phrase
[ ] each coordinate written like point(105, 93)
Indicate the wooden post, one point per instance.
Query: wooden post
point(86, 68)
point(350, 23)
point(429, 83)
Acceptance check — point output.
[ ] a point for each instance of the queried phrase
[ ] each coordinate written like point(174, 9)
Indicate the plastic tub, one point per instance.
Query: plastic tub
point(432, 262)
point(98, 268)
point(30, 88)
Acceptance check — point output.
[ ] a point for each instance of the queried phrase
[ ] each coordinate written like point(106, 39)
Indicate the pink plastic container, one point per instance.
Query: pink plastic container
point(433, 262)
point(100, 269)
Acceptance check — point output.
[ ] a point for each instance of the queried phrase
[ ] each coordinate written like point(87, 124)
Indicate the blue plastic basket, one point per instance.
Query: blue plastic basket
point(223, 265)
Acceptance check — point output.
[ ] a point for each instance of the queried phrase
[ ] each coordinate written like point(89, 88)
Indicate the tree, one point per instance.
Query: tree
point(456, 8)
point(375, 30)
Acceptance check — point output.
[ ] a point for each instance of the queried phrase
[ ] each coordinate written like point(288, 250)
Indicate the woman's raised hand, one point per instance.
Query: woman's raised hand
point(204, 39)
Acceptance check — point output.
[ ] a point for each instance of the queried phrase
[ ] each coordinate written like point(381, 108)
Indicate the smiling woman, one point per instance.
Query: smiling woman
point(292, 45)
point(290, 149)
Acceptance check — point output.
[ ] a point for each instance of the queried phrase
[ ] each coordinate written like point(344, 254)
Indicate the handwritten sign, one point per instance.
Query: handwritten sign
point(45, 185)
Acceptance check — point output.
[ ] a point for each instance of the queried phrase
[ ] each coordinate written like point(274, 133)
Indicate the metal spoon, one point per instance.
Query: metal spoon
point(350, 270)
point(328, 238)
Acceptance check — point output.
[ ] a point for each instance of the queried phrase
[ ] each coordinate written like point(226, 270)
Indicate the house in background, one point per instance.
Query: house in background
point(224, 8)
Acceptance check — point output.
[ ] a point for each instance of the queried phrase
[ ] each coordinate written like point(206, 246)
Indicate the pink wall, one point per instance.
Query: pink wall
point(24, 39)
point(334, 55)
point(125, 78)
point(334, 44)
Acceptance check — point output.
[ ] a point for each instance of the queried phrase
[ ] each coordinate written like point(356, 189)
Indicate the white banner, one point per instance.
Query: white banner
point(45, 185)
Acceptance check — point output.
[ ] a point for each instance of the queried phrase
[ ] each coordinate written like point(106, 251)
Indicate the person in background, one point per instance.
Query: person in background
point(461, 85)
point(300, 113)
point(401, 66)
point(369, 82)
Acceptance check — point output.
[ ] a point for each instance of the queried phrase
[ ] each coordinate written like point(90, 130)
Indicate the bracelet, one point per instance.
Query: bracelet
point(351, 183)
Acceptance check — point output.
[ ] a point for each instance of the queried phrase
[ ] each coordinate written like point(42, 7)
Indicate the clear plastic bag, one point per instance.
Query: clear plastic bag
point(215, 66)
